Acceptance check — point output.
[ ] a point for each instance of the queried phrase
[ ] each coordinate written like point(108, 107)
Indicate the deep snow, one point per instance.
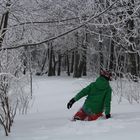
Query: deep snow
point(49, 119)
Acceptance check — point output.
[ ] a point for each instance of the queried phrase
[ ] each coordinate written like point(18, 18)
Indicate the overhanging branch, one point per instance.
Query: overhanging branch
point(65, 33)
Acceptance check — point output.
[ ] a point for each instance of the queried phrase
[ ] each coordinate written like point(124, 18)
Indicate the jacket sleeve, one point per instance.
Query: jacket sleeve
point(84, 92)
point(107, 103)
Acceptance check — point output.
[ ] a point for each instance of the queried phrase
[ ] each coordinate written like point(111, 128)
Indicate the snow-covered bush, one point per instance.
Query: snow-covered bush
point(14, 93)
point(126, 88)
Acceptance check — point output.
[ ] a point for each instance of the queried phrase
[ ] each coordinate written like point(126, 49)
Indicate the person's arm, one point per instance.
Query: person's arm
point(81, 94)
point(85, 91)
point(107, 103)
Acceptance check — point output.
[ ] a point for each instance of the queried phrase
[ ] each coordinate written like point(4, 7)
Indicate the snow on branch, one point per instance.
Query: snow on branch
point(65, 33)
point(11, 75)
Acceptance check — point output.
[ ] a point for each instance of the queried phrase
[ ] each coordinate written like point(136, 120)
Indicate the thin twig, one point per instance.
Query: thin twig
point(63, 34)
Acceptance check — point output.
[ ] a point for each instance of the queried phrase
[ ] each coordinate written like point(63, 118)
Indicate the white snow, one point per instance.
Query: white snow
point(49, 119)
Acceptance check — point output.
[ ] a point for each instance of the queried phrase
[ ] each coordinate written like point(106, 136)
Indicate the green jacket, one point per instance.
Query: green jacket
point(98, 97)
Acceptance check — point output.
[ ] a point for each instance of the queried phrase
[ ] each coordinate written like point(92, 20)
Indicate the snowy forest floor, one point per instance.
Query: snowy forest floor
point(49, 119)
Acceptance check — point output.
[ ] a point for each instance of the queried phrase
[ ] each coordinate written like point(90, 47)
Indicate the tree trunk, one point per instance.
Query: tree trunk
point(85, 66)
point(111, 64)
point(76, 58)
point(138, 58)
point(50, 69)
point(3, 24)
point(54, 63)
point(68, 64)
point(44, 62)
point(80, 68)
point(132, 54)
point(25, 60)
point(76, 64)
point(101, 65)
point(59, 64)
point(72, 62)
point(85, 54)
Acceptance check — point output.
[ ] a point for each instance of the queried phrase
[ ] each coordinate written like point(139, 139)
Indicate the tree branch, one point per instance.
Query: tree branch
point(42, 22)
point(65, 33)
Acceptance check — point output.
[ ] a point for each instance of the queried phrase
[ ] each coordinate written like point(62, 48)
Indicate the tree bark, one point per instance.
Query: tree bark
point(4, 24)
point(54, 63)
point(50, 69)
point(68, 64)
point(100, 50)
point(111, 63)
point(59, 64)
point(76, 64)
point(132, 54)
point(44, 62)
point(72, 62)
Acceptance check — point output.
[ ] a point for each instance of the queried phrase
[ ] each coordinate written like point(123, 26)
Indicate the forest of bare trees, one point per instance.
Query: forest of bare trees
point(55, 37)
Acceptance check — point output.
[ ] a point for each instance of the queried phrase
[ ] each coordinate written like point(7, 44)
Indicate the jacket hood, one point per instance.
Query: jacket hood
point(101, 83)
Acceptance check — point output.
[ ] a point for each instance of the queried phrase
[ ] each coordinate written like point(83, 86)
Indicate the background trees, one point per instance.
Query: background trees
point(111, 38)
point(76, 37)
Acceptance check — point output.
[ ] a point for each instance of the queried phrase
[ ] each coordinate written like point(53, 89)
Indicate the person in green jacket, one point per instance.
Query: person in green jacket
point(98, 99)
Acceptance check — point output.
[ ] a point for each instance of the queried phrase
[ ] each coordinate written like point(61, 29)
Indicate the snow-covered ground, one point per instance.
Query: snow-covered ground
point(49, 119)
